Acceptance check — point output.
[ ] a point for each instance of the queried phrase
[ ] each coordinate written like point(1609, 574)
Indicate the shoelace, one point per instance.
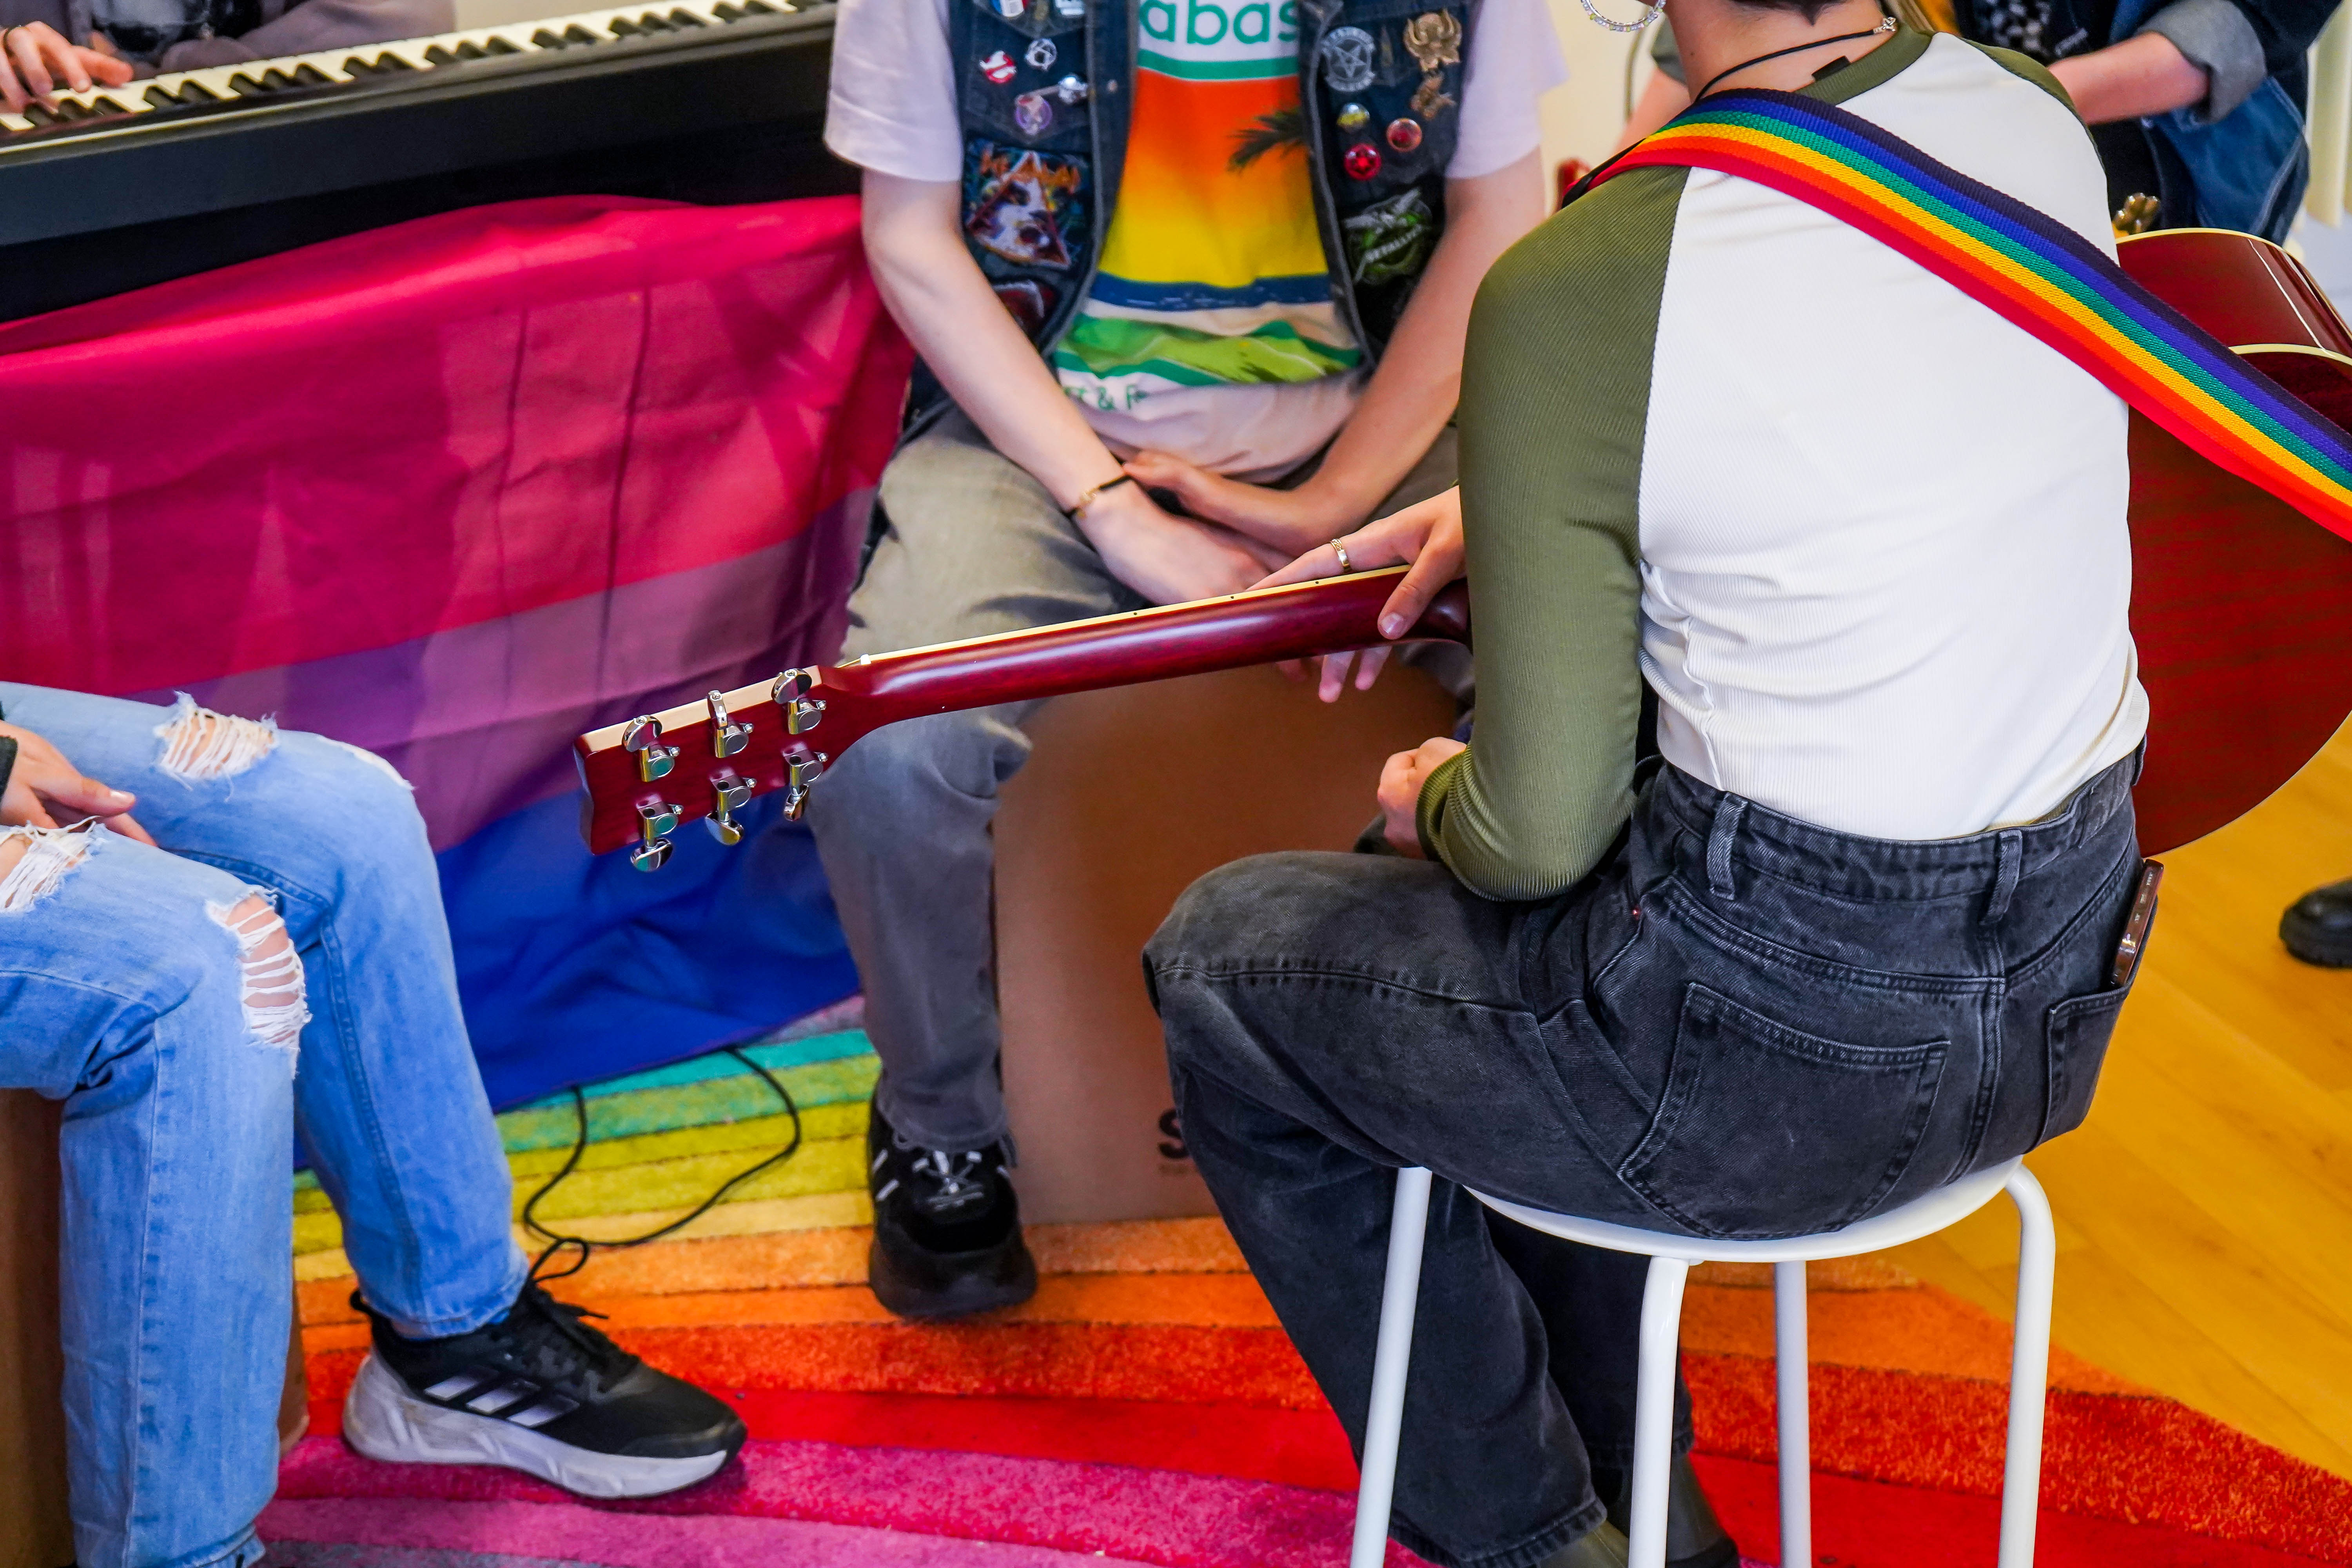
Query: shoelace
point(600, 1354)
point(954, 1177)
point(954, 1172)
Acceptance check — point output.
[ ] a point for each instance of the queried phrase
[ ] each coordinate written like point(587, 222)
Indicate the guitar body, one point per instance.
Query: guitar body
point(2242, 607)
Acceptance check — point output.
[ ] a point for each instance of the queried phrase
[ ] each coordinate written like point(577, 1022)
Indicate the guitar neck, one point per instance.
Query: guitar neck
point(1297, 622)
point(704, 773)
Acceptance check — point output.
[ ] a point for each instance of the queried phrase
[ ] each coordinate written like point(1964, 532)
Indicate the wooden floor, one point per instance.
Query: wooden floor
point(2205, 1209)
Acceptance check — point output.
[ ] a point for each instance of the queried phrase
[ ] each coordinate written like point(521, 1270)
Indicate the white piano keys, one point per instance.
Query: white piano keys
point(129, 102)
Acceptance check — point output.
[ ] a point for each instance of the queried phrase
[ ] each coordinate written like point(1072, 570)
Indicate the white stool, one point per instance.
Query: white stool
point(1662, 1309)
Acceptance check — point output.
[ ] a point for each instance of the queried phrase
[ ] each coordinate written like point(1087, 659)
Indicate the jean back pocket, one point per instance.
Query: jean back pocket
point(2078, 1033)
point(1766, 1130)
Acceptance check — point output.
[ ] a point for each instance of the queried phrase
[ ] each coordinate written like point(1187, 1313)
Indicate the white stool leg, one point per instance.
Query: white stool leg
point(1399, 1297)
point(2028, 1369)
point(1653, 1408)
point(1792, 1358)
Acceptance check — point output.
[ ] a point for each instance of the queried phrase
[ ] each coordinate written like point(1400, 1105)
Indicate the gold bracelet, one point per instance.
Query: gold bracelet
point(1076, 509)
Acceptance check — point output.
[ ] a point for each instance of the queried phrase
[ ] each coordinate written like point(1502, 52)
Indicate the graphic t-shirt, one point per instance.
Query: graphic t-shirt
point(892, 108)
point(1213, 273)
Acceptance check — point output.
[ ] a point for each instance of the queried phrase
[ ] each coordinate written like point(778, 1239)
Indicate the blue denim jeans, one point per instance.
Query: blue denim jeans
point(1738, 1025)
point(126, 994)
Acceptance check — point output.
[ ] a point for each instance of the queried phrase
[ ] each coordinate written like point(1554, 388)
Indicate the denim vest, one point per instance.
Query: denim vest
point(1042, 93)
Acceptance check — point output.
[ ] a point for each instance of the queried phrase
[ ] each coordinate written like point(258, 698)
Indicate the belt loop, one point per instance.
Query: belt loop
point(2008, 855)
point(1727, 813)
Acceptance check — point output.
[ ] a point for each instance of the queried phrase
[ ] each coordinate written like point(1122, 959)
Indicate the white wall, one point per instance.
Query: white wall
point(1581, 120)
point(2328, 251)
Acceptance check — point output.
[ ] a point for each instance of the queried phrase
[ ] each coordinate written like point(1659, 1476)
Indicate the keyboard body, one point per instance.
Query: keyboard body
point(716, 100)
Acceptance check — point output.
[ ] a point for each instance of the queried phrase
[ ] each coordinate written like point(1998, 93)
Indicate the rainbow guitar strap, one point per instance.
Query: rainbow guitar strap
point(2031, 268)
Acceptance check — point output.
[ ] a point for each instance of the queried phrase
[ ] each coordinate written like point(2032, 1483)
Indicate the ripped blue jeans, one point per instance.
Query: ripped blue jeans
point(282, 963)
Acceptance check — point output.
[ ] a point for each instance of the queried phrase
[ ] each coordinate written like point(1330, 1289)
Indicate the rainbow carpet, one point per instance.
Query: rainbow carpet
point(1146, 1408)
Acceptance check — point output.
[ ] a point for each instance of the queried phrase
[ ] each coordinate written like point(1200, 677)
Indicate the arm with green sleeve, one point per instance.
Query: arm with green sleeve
point(1555, 397)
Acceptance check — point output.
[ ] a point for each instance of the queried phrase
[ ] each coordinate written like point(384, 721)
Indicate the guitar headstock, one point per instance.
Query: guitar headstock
point(649, 776)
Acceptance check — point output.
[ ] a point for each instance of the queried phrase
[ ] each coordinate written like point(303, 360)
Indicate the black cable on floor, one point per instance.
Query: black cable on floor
point(558, 1242)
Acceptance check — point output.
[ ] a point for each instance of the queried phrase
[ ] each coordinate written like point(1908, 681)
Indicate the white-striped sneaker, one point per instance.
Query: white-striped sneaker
point(541, 1391)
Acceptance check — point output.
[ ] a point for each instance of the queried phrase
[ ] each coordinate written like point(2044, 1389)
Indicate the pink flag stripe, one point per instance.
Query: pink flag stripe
point(434, 425)
point(1163, 1517)
point(572, 1532)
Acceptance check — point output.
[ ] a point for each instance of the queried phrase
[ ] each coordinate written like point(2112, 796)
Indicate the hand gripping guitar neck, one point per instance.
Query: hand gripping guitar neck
point(706, 759)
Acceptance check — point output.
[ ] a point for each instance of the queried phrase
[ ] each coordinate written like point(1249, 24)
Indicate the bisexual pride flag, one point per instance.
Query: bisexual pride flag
point(453, 491)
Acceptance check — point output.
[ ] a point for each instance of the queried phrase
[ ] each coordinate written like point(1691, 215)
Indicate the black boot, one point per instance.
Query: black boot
point(2317, 927)
point(947, 1229)
point(1695, 1537)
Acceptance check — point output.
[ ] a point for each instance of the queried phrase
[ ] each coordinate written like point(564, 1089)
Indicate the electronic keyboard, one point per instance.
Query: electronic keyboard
point(700, 100)
point(403, 64)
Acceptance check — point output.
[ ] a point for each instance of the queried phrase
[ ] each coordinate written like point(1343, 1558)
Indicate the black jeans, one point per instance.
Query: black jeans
point(1740, 1026)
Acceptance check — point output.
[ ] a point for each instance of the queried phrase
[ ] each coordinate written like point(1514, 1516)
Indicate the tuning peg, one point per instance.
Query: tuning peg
point(656, 823)
point(728, 795)
point(802, 712)
point(643, 736)
point(802, 769)
point(727, 737)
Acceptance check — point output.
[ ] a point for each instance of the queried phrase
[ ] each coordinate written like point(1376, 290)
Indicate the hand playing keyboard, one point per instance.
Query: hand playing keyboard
point(36, 57)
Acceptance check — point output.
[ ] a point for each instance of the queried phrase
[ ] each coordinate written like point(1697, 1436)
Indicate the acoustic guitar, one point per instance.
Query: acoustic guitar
point(2242, 609)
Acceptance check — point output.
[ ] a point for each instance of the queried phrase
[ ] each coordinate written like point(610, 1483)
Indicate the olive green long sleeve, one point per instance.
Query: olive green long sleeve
point(1555, 397)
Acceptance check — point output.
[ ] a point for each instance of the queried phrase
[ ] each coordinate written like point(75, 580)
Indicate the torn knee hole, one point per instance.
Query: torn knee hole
point(275, 1009)
point(200, 745)
point(35, 861)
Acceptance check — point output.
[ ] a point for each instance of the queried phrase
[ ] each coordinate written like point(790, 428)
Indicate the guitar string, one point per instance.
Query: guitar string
point(588, 1246)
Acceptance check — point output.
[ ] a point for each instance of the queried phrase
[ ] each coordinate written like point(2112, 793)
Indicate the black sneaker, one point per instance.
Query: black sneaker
point(2317, 927)
point(538, 1390)
point(947, 1229)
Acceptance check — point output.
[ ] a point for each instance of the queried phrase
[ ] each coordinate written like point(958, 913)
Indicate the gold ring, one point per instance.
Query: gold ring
point(1342, 551)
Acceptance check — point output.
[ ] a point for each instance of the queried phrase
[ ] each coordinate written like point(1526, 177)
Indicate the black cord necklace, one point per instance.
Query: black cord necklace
point(1885, 25)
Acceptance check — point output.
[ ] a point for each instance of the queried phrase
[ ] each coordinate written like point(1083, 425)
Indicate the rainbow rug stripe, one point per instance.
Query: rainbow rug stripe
point(2035, 271)
point(1146, 1408)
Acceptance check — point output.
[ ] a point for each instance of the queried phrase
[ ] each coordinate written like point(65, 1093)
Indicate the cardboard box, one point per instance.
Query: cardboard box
point(1131, 795)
